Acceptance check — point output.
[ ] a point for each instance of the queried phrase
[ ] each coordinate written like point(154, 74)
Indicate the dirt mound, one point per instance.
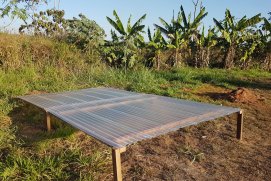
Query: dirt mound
point(243, 95)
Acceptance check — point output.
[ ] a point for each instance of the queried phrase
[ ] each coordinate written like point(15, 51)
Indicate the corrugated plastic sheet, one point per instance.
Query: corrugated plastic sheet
point(119, 118)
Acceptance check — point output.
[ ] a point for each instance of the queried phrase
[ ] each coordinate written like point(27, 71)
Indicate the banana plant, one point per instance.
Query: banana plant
point(170, 29)
point(180, 35)
point(232, 34)
point(267, 26)
point(265, 45)
point(158, 43)
point(248, 49)
point(204, 44)
point(173, 32)
point(190, 28)
point(113, 50)
point(128, 36)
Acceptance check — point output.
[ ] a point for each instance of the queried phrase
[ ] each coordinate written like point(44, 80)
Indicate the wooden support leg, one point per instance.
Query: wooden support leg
point(47, 123)
point(117, 163)
point(239, 125)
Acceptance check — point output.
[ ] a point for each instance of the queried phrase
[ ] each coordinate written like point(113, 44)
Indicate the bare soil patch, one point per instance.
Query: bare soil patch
point(243, 95)
point(29, 131)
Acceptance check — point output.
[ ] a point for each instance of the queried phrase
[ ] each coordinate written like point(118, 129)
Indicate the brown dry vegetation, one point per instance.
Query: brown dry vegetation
point(17, 51)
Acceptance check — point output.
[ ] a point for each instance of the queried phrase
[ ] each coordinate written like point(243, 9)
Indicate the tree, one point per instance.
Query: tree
point(85, 32)
point(172, 31)
point(47, 23)
point(88, 36)
point(12, 8)
point(204, 45)
point(267, 26)
point(248, 48)
point(179, 34)
point(232, 34)
point(265, 45)
point(113, 49)
point(128, 35)
point(158, 43)
point(190, 28)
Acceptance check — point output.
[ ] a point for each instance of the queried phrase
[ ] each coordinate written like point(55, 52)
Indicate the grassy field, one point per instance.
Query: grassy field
point(28, 153)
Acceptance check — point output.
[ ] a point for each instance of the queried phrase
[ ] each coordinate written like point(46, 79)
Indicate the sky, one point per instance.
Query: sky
point(98, 10)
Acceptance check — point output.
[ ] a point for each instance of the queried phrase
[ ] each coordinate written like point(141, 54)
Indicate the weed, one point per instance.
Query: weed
point(95, 162)
point(31, 168)
point(150, 151)
point(195, 156)
point(86, 177)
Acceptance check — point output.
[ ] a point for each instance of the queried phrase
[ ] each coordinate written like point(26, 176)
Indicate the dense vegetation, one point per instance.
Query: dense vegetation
point(179, 42)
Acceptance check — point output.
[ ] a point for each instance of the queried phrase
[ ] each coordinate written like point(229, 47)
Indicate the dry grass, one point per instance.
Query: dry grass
point(17, 51)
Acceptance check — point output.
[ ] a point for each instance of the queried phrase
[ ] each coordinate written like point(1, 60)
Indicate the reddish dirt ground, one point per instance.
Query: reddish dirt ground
point(243, 95)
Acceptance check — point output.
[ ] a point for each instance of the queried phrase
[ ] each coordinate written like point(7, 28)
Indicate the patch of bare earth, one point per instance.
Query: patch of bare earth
point(241, 95)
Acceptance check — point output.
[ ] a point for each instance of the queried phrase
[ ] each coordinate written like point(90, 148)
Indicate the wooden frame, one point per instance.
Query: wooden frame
point(117, 163)
point(240, 123)
point(47, 121)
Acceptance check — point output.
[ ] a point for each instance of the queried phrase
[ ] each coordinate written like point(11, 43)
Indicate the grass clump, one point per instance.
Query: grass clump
point(194, 155)
point(63, 166)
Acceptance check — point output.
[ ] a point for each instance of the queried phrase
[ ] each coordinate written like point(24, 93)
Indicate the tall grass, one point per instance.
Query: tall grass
point(17, 51)
point(51, 79)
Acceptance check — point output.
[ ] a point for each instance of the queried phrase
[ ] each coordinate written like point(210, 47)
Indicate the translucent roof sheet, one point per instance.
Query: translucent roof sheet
point(119, 118)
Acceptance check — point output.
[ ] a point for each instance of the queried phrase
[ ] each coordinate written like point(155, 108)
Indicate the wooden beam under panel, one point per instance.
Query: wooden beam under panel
point(117, 163)
point(123, 149)
point(240, 121)
point(47, 121)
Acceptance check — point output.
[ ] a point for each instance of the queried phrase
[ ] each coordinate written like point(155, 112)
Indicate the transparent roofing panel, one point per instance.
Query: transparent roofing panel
point(119, 118)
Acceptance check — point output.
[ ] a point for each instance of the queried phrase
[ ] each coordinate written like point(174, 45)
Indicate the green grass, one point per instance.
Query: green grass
point(32, 167)
point(58, 155)
point(19, 82)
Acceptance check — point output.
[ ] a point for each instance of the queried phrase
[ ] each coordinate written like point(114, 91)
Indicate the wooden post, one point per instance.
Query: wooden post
point(47, 123)
point(117, 163)
point(239, 125)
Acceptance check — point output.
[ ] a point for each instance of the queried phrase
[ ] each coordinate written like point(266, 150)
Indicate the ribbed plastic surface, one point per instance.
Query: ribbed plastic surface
point(119, 118)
